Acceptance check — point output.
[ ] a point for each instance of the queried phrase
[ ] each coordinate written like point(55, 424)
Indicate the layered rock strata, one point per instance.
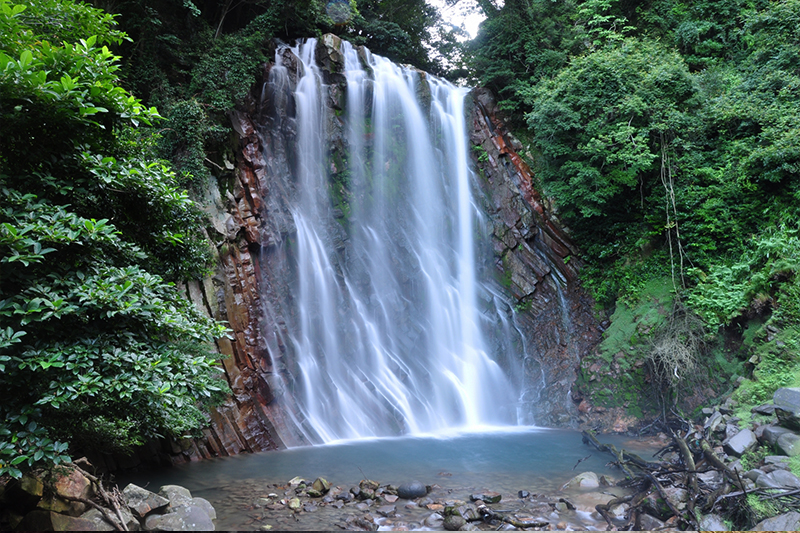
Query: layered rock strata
point(536, 268)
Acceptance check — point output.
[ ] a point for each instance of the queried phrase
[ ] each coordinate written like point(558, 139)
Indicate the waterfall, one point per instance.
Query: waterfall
point(393, 317)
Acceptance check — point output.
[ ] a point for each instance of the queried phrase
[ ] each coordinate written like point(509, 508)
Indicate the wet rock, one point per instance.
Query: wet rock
point(363, 506)
point(453, 522)
point(434, 520)
point(321, 485)
point(784, 522)
point(789, 443)
point(391, 498)
point(585, 480)
point(411, 490)
point(487, 496)
point(436, 507)
point(41, 520)
point(523, 494)
point(740, 443)
point(368, 484)
point(713, 522)
point(294, 504)
point(386, 510)
point(143, 502)
point(100, 523)
point(309, 507)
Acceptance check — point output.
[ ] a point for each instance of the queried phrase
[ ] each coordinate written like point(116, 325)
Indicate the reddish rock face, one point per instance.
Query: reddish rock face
point(534, 257)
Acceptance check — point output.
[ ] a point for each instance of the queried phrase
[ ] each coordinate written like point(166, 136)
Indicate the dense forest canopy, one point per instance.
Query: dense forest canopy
point(666, 132)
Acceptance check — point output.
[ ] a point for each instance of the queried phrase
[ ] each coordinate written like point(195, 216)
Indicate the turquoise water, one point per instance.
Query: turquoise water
point(539, 461)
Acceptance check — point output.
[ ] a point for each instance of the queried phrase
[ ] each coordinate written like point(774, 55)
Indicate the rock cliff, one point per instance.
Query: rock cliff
point(535, 261)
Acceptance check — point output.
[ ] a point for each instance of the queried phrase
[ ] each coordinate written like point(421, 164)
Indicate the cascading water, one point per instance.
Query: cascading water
point(390, 334)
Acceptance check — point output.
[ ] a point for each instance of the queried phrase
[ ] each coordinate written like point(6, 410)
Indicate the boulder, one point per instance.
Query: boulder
point(787, 407)
point(778, 479)
point(412, 490)
point(176, 495)
point(585, 480)
point(789, 443)
point(182, 518)
point(74, 485)
point(771, 434)
point(143, 502)
point(740, 443)
point(784, 522)
point(713, 522)
point(713, 479)
point(206, 506)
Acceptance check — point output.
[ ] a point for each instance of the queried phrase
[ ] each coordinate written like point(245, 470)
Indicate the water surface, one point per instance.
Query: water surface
point(537, 460)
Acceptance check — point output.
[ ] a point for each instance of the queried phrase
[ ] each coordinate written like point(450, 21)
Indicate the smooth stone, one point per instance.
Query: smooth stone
point(309, 507)
point(585, 480)
point(650, 523)
point(183, 518)
point(294, 504)
point(409, 491)
point(789, 443)
point(391, 498)
point(779, 460)
point(713, 522)
point(785, 522)
point(434, 520)
point(523, 494)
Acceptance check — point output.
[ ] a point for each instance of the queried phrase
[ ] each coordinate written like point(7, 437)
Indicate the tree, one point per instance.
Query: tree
point(97, 346)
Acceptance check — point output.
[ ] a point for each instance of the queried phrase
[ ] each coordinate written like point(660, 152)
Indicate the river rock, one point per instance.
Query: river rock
point(321, 485)
point(784, 522)
point(294, 504)
point(789, 443)
point(386, 510)
point(143, 502)
point(650, 523)
point(434, 520)
point(98, 519)
point(487, 496)
point(454, 522)
point(740, 443)
point(585, 480)
point(713, 522)
point(787, 407)
point(41, 520)
point(411, 490)
point(523, 494)
point(766, 409)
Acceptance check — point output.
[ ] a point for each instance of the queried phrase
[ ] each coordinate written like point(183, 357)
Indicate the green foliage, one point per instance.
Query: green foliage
point(599, 123)
point(97, 346)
